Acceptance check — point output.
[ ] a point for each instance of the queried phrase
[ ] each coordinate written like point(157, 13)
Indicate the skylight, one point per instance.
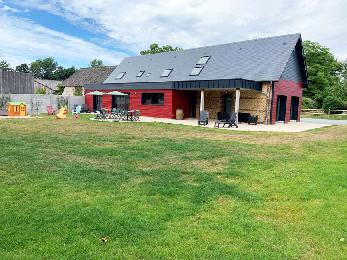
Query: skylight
point(203, 60)
point(148, 74)
point(120, 75)
point(140, 73)
point(166, 73)
point(196, 71)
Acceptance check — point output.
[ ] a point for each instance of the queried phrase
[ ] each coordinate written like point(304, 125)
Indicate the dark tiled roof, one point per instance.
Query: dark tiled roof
point(257, 60)
point(88, 76)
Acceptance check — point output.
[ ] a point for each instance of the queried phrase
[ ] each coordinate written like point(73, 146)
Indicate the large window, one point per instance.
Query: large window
point(152, 99)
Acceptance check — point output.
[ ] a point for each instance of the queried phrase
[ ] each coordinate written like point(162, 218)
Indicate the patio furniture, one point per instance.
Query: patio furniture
point(77, 111)
point(62, 113)
point(244, 117)
point(85, 109)
point(203, 119)
point(137, 115)
point(101, 115)
point(220, 119)
point(253, 120)
point(50, 111)
point(231, 121)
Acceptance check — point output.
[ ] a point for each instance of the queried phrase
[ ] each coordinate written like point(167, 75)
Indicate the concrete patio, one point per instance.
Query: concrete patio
point(278, 127)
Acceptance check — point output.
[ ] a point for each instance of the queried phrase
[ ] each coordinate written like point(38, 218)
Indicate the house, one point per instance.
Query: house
point(12, 82)
point(263, 77)
point(49, 85)
point(86, 76)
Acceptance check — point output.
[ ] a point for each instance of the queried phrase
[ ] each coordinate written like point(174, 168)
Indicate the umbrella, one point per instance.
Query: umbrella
point(95, 93)
point(116, 93)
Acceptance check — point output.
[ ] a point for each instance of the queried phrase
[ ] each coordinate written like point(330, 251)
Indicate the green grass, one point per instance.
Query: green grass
point(168, 191)
point(326, 116)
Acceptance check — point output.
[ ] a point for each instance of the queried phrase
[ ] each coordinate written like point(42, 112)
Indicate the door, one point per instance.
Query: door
point(281, 108)
point(192, 104)
point(227, 104)
point(22, 110)
point(96, 103)
point(294, 108)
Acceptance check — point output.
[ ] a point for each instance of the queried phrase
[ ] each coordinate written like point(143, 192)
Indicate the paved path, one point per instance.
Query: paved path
point(324, 121)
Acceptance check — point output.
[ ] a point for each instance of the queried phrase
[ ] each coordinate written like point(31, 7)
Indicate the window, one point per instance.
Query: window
point(148, 74)
point(140, 73)
point(203, 60)
point(196, 71)
point(120, 75)
point(166, 73)
point(152, 99)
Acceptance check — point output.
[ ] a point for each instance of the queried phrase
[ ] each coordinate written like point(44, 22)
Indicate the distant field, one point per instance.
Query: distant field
point(170, 191)
point(324, 116)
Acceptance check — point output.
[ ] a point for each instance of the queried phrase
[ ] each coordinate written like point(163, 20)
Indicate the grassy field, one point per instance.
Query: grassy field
point(326, 116)
point(168, 191)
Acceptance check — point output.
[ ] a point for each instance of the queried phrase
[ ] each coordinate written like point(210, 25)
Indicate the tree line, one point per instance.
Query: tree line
point(47, 68)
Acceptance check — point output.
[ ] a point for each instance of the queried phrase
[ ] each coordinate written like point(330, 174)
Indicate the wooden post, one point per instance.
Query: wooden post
point(202, 101)
point(237, 104)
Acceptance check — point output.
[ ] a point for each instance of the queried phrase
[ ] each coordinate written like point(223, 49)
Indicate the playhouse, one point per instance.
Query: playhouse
point(16, 109)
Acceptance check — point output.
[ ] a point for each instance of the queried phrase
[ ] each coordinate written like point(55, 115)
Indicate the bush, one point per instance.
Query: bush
point(78, 91)
point(40, 91)
point(308, 103)
point(332, 103)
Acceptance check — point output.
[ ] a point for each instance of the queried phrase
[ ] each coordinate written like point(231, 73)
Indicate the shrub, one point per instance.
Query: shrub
point(308, 103)
point(40, 91)
point(332, 103)
point(78, 91)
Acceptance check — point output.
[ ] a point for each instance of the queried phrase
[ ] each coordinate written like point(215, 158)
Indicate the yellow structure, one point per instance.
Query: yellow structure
point(62, 113)
point(16, 109)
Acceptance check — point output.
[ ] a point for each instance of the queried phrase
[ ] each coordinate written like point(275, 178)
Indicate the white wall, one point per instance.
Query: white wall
point(46, 100)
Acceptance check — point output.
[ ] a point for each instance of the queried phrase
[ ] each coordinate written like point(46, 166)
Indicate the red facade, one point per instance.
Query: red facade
point(173, 99)
point(289, 89)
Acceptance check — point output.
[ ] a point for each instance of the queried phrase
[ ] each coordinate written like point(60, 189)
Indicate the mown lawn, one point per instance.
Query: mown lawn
point(326, 116)
point(168, 191)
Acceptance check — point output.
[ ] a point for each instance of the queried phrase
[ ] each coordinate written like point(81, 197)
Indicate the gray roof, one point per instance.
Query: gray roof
point(258, 60)
point(88, 76)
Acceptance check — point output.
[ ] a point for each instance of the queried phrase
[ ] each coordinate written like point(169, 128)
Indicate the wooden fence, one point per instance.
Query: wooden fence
point(16, 83)
point(322, 111)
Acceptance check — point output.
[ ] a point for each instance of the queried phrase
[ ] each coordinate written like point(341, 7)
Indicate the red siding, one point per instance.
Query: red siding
point(163, 111)
point(289, 89)
point(181, 101)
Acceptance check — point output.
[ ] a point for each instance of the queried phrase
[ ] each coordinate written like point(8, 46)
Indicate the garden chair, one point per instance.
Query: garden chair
point(220, 119)
point(62, 113)
point(203, 118)
point(253, 120)
point(231, 121)
point(50, 110)
point(137, 115)
point(77, 111)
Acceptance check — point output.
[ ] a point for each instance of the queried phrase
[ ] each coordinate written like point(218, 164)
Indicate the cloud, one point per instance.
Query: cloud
point(135, 24)
point(24, 41)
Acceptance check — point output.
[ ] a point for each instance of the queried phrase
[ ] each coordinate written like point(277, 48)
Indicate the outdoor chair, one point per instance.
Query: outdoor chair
point(137, 115)
point(50, 110)
point(203, 119)
point(253, 120)
point(220, 119)
point(77, 111)
point(101, 115)
point(231, 121)
point(85, 109)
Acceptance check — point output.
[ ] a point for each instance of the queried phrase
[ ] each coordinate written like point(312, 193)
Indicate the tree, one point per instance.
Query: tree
point(96, 63)
point(324, 73)
point(154, 48)
point(44, 68)
point(23, 68)
point(60, 90)
point(62, 73)
point(4, 65)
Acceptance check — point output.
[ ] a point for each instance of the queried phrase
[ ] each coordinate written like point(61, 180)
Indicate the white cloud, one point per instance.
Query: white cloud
point(190, 23)
point(24, 41)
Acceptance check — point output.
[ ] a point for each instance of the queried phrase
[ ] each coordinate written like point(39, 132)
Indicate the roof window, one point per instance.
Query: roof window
point(196, 71)
point(166, 73)
point(203, 60)
point(120, 75)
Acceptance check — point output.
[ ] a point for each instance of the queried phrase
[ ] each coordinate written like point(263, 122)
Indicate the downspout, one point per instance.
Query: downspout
point(272, 99)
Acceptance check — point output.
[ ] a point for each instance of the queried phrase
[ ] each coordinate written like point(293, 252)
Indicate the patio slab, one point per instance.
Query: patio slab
point(278, 127)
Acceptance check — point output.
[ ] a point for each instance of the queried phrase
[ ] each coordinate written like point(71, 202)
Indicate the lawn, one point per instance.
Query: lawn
point(169, 191)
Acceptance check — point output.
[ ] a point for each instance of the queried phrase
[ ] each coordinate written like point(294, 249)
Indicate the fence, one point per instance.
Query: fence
point(16, 82)
point(37, 104)
point(322, 111)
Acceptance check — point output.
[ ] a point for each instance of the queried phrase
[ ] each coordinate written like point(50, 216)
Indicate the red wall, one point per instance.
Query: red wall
point(173, 99)
point(289, 89)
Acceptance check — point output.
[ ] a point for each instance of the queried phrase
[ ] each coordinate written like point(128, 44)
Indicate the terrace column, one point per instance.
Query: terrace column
point(202, 100)
point(237, 104)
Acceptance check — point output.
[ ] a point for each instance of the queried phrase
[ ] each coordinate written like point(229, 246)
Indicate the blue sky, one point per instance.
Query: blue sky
point(76, 31)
